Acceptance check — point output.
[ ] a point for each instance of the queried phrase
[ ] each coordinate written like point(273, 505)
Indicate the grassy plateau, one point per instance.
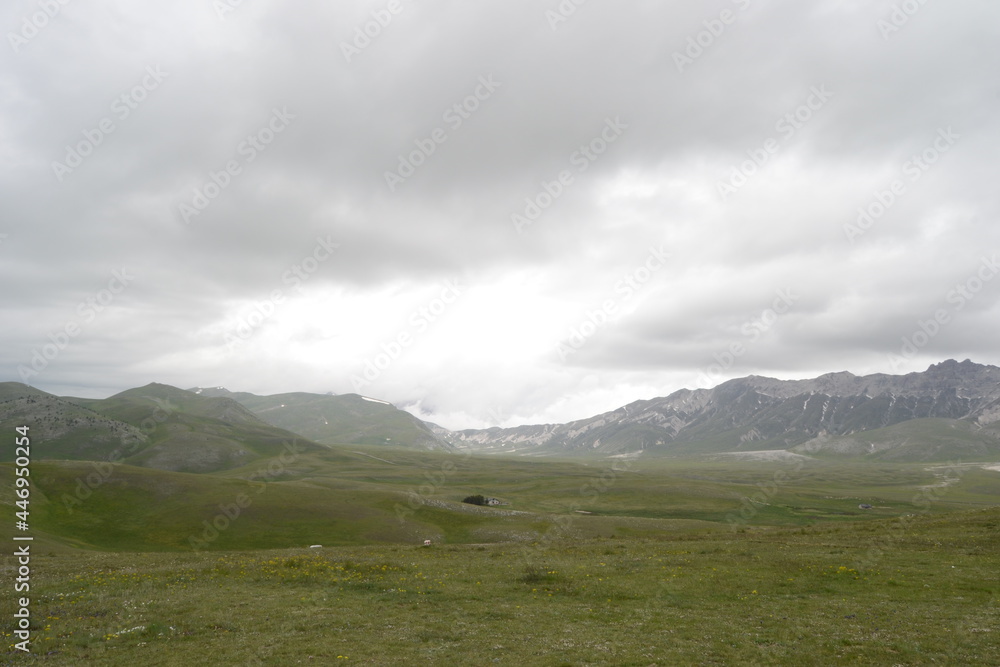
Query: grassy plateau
point(703, 561)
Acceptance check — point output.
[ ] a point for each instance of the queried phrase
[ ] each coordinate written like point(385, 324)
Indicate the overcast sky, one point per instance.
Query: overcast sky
point(495, 212)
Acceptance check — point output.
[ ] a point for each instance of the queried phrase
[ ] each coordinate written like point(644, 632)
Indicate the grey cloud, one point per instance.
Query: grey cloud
point(658, 183)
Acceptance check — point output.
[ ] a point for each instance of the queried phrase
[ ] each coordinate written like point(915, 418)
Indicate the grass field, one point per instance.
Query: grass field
point(706, 561)
point(767, 596)
point(357, 497)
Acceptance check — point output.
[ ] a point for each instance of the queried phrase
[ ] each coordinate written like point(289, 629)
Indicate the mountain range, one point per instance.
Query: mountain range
point(950, 411)
point(956, 403)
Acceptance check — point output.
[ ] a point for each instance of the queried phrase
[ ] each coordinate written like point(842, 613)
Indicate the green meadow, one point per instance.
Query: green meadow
point(706, 561)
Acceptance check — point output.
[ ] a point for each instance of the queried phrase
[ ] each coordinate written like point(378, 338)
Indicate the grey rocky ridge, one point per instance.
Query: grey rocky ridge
point(759, 413)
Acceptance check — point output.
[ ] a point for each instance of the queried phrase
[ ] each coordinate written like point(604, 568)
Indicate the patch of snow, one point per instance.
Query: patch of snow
point(946, 477)
point(375, 457)
point(375, 400)
point(764, 455)
point(629, 455)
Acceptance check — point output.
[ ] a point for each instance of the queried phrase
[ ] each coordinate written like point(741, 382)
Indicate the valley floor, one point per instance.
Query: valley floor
point(875, 593)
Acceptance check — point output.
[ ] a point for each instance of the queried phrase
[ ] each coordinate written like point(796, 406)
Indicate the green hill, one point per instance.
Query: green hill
point(63, 429)
point(156, 426)
point(341, 419)
point(9, 390)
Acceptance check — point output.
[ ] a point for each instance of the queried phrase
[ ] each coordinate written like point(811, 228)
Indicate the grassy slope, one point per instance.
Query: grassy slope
point(777, 596)
point(9, 390)
point(360, 496)
point(340, 419)
point(333, 497)
point(156, 426)
point(64, 429)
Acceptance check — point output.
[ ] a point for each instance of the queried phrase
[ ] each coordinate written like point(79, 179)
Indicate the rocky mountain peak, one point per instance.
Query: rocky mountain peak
point(766, 411)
